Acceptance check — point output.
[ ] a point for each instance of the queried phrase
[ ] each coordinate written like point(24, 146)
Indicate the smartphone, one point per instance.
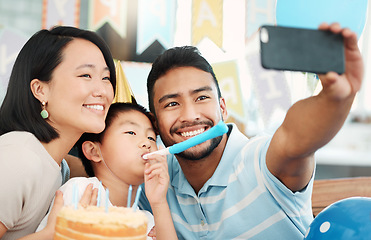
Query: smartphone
point(299, 49)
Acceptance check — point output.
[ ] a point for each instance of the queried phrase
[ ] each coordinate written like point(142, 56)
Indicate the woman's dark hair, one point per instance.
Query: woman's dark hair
point(43, 52)
point(186, 56)
point(113, 112)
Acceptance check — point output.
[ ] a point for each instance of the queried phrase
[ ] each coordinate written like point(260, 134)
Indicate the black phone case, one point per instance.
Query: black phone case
point(305, 50)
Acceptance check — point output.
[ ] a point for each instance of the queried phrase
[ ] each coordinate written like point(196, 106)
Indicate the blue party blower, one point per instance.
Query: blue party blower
point(216, 131)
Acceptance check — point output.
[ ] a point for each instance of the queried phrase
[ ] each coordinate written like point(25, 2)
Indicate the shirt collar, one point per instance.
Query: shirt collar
point(235, 141)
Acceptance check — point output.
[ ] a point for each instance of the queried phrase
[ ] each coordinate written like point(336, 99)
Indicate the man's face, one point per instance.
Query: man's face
point(186, 104)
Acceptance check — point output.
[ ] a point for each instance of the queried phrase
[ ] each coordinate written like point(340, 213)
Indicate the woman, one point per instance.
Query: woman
point(61, 86)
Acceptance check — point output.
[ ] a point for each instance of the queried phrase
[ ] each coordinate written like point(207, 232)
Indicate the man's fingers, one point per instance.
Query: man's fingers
point(323, 26)
point(335, 28)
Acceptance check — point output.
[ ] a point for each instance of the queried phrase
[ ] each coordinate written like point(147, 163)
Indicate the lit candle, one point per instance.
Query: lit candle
point(135, 205)
point(99, 193)
point(75, 192)
point(107, 199)
point(129, 196)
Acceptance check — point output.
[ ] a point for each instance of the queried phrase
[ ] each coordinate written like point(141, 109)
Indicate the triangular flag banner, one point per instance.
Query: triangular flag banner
point(259, 12)
point(227, 75)
point(11, 42)
point(111, 12)
point(65, 13)
point(123, 92)
point(207, 21)
point(156, 21)
point(271, 89)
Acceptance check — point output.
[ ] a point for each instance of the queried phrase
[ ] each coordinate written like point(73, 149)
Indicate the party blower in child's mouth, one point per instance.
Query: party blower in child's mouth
point(216, 131)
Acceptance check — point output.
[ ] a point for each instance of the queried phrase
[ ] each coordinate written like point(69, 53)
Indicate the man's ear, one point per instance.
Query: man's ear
point(91, 151)
point(40, 90)
point(223, 108)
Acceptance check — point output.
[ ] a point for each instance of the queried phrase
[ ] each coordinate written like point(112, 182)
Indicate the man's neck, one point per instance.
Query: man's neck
point(198, 172)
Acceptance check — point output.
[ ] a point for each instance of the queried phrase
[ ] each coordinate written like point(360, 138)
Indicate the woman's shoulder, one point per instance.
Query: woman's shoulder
point(17, 138)
point(19, 145)
point(25, 148)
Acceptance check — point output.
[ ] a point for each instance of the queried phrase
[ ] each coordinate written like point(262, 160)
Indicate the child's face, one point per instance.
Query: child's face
point(126, 140)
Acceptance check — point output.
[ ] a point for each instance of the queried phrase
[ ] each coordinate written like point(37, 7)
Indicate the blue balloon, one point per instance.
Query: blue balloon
point(343, 220)
point(311, 13)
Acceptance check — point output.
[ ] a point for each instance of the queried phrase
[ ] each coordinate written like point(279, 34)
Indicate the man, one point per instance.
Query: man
point(232, 187)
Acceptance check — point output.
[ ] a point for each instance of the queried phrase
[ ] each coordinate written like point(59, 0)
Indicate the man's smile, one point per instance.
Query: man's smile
point(192, 133)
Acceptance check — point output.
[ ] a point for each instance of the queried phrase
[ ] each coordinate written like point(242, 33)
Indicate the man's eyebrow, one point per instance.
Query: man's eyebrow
point(168, 96)
point(201, 89)
point(174, 95)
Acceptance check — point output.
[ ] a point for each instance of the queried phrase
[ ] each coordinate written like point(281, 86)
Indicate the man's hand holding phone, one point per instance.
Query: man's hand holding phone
point(331, 52)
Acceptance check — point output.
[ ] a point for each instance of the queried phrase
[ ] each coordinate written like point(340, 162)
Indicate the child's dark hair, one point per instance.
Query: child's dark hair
point(114, 110)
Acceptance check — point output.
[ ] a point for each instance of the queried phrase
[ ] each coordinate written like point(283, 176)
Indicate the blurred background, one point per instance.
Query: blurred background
point(226, 33)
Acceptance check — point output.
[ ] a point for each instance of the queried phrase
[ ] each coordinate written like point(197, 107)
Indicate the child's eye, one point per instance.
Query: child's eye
point(152, 139)
point(107, 78)
point(130, 132)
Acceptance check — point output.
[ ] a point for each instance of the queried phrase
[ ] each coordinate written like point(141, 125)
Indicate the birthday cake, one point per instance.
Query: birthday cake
point(93, 223)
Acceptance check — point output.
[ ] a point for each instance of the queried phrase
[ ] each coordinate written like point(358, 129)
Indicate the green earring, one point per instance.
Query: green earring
point(44, 114)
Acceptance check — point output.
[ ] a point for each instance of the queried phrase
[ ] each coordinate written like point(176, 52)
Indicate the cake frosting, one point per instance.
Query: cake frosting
point(94, 223)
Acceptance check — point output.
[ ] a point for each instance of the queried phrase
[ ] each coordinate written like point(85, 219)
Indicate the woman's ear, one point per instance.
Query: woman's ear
point(40, 90)
point(91, 151)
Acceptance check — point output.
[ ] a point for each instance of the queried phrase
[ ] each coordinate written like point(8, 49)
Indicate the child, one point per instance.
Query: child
point(115, 158)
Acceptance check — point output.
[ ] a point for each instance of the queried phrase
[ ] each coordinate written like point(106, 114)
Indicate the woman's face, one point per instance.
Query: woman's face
point(80, 91)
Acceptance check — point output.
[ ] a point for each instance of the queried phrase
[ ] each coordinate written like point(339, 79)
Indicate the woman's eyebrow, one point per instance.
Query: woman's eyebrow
point(87, 65)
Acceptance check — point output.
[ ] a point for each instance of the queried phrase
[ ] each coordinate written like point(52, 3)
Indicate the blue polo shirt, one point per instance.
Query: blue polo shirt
point(242, 200)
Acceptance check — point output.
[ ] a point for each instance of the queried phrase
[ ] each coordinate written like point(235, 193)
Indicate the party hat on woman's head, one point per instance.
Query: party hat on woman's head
point(123, 92)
